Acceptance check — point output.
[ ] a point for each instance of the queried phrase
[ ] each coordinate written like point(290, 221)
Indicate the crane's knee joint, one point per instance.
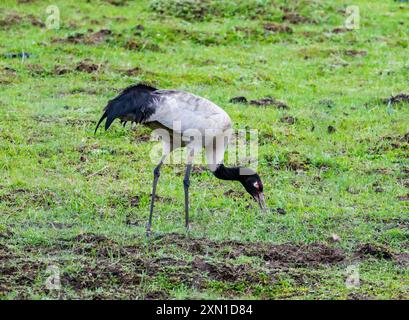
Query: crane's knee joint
point(156, 172)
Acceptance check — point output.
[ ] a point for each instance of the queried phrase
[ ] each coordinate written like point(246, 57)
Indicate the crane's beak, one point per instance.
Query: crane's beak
point(261, 201)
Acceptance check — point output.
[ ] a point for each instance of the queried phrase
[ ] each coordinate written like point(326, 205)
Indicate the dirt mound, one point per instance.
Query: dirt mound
point(331, 129)
point(14, 19)
point(402, 259)
point(288, 119)
point(141, 45)
point(340, 30)
point(404, 197)
point(378, 252)
point(87, 66)
point(295, 18)
point(131, 72)
point(239, 99)
point(277, 28)
point(267, 101)
point(89, 38)
point(60, 70)
point(355, 53)
point(91, 238)
point(399, 98)
point(390, 142)
point(34, 198)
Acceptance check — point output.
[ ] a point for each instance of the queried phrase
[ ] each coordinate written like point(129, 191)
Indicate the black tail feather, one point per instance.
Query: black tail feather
point(132, 104)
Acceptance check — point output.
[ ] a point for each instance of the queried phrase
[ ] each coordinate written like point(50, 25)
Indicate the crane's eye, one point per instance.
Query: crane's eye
point(258, 185)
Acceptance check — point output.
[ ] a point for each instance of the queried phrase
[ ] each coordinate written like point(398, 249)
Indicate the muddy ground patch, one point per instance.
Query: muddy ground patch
point(102, 268)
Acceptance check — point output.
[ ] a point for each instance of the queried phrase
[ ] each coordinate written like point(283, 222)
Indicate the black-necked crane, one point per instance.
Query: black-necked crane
point(155, 108)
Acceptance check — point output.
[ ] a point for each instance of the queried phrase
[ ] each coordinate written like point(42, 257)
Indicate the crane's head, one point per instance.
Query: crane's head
point(253, 185)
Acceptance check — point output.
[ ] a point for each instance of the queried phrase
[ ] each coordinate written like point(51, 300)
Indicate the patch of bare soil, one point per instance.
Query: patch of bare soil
point(10, 20)
point(396, 223)
point(248, 32)
point(402, 259)
point(34, 21)
point(24, 197)
point(269, 101)
point(107, 269)
point(399, 98)
point(404, 197)
point(288, 119)
point(381, 171)
point(14, 19)
point(358, 296)
point(78, 122)
point(199, 170)
point(141, 45)
point(89, 38)
point(17, 273)
point(390, 143)
point(239, 99)
point(340, 30)
point(235, 194)
point(327, 103)
point(91, 238)
point(378, 252)
point(82, 90)
point(279, 211)
point(355, 53)
point(124, 199)
point(273, 255)
point(36, 69)
point(404, 182)
point(60, 70)
point(277, 28)
point(295, 18)
point(7, 74)
point(134, 262)
point(87, 66)
point(131, 72)
point(331, 129)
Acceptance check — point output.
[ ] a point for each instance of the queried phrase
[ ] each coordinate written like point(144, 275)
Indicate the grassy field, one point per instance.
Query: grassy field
point(335, 162)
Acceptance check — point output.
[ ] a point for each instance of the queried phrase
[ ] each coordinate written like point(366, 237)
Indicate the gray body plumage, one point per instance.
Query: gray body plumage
point(177, 112)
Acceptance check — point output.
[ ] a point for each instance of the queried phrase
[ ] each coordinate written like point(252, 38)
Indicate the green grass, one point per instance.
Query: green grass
point(59, 181)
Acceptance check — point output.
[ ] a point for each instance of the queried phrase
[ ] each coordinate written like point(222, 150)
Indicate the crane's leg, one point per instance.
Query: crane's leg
point(156, 174)
point(186, 184)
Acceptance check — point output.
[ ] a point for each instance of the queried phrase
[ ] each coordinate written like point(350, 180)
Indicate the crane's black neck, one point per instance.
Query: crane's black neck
point(225, 173)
